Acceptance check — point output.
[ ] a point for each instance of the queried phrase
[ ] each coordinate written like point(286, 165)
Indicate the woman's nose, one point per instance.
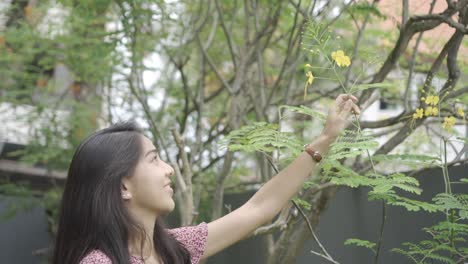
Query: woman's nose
point(170, 171)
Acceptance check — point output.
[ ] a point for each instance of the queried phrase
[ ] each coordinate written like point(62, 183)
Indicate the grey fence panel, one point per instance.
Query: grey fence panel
point(21, 235)
point(349, 215)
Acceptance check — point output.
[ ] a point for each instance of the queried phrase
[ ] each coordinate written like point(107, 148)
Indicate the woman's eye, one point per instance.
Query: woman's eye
point(155, 158)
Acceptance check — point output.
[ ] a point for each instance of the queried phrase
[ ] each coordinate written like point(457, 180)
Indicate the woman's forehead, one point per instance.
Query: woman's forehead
point(147, 144)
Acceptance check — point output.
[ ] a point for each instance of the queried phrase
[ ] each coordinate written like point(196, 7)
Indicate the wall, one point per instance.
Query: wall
point(349, 215)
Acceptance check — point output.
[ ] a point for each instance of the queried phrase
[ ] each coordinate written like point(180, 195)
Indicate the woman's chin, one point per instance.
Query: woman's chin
point(170, 207)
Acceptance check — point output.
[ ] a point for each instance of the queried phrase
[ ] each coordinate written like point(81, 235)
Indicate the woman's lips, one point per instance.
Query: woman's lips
point(169, 189)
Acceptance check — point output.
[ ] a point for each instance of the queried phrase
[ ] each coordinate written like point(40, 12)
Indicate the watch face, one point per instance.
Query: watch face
point(317, 157)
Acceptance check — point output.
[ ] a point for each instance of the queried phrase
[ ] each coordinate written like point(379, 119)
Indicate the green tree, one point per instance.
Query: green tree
point(224, 68)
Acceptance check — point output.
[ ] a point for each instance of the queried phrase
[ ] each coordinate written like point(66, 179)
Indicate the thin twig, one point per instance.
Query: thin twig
point(227, 34)
point(413, 62)
point(309, 225)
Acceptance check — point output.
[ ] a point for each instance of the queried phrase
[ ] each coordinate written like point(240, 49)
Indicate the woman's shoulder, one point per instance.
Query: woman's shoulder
point(98, 257)
point(193, 238)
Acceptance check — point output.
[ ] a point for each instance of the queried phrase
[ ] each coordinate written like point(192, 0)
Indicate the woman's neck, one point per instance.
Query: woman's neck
point(147, 221)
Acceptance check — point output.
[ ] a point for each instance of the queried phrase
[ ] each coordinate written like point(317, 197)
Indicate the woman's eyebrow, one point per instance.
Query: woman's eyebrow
point(151, 151)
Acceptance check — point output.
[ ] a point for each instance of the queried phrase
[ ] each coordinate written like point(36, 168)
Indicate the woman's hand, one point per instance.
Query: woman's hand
point(338, 115)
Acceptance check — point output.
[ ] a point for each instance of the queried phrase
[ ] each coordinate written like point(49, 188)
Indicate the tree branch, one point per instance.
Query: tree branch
point(231, 44)
point(406, 95)
point(213, 67)
point(414, 25)
point(187, 194)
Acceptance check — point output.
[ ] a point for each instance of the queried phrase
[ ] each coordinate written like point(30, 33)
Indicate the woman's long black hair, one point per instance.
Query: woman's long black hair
point(93, 215)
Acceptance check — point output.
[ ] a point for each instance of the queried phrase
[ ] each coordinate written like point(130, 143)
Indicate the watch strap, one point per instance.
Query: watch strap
point(316, 156)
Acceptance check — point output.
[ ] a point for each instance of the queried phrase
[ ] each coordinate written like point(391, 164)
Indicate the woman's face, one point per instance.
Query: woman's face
point(150, 186)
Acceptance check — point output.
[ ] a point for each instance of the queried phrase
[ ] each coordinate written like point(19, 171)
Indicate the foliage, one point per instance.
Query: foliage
point(387, 188)
point(444, 244)
point(360, 243)
point(200, 53)
point(263, 137)
point(17, 197)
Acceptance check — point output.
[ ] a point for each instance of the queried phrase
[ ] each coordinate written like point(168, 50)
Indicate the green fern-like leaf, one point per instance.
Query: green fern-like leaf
point(263, 137)
point(383, 184)
point(463, 250)
point(302, 203)
point(445, 236)
point(351, 145)
point(408, 159)
point(406, 254)
point(457, 202)
point(459, 229)
point(352, 181)
point(360, 243)
point(317, 36)
point(426, 250)
point(303, 110)
point(342, 175)
point(365, 8)
point(361, 87)
point(409, 204)
point(441, 258)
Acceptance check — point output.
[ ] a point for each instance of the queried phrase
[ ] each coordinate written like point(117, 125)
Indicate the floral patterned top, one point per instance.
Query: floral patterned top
point(192, 237)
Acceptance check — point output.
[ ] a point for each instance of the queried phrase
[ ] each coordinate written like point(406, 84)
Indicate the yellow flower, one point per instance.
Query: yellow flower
point(419, 113)
point(338, 53)
point(428, 111)
point(432, 100)
point(460, 112)
point(431, 111)
point(310, 77)
point(345, 61)
point(449, 122)
point(340, 58)
point(308, 65)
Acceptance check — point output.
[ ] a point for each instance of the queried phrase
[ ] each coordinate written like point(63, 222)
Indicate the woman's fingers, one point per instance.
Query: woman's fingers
point(356, 109)
point(349, 106)
point(342, 98)
point(338, 114)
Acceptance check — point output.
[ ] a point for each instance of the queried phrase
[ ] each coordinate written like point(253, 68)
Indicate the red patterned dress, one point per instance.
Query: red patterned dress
point(192, 237)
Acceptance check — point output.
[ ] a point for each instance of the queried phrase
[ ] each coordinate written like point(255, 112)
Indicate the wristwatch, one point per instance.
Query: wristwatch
point(316, 156)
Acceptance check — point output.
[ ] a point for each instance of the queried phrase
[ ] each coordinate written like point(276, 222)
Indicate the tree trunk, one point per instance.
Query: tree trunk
point(286, 252)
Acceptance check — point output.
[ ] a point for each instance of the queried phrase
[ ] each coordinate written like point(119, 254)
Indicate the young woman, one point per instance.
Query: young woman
point(118, 187)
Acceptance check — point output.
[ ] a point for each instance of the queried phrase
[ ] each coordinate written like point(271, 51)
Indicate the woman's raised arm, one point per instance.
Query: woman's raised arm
point(273, 195)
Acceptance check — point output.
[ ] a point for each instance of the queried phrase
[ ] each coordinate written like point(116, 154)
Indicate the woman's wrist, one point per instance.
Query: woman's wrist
point(321, 144)
point(327, 138)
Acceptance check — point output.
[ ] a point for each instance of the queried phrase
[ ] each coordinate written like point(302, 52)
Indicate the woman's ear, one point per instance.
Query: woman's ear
point(126, 193)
